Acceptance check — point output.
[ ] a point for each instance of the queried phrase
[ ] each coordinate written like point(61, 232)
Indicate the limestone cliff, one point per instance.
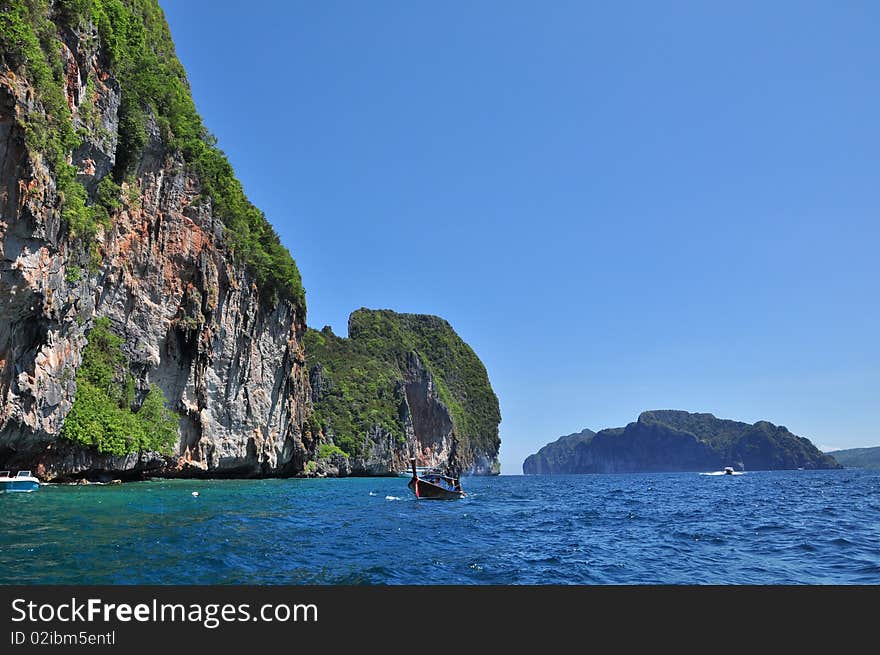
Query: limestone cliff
point(401, 385)
point(669, 440)
point(140, 288)
point(164, 262)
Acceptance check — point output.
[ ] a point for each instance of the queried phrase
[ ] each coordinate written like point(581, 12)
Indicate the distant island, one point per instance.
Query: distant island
point(672, 440)
point(858, 458)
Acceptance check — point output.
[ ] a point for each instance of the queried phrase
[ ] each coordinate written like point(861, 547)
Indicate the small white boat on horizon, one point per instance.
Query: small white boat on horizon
point(728, 470)
point(23, 482)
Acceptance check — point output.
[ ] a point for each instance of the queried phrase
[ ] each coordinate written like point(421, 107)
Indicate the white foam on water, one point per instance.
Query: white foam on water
point(392, 498)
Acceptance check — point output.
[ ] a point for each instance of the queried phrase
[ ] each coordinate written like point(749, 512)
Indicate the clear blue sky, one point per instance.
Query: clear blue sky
point(620, 206)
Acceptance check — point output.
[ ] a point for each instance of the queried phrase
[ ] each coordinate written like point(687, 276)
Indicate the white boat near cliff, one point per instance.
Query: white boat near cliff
point(420, 470)
point(23, 482)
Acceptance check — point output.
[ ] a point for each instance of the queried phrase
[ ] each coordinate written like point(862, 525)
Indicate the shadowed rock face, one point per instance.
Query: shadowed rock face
point(427, 418)
point(668, 440)
point(560, 456)
point(193, 324)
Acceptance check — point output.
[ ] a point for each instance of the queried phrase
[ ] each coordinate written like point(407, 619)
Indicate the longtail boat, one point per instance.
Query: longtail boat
point(434, 486)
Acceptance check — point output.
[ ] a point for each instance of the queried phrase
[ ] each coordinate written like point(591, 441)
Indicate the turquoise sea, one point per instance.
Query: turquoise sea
point(812, 527)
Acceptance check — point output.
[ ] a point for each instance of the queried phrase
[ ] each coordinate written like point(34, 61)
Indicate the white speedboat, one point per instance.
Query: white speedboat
point(23, 482)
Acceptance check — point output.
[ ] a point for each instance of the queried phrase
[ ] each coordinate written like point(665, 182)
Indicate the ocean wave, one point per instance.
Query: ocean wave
point(797, 527)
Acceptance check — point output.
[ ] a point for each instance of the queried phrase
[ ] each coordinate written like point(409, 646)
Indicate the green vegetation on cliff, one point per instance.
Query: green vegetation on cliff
point(30, 44)
point(102, 416)
point(363, 378)
point(136, 42)
point(359, 389)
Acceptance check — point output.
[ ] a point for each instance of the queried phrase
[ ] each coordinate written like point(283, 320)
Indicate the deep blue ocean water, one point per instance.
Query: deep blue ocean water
point(814, 527)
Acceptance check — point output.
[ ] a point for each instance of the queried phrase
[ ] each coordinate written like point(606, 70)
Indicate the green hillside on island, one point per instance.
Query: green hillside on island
point(858, 458)
point(405, 376)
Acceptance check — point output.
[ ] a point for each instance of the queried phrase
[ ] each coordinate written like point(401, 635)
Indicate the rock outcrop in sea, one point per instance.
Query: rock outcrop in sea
point(670, 440)
point(402, 385)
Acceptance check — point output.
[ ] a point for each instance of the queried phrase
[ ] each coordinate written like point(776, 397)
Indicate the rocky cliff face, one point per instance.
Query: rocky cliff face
point(668, 440)
point(561, 456)
point(424, 423)
point(402, 385)
point(192, 317)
